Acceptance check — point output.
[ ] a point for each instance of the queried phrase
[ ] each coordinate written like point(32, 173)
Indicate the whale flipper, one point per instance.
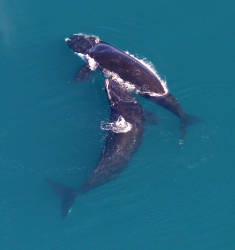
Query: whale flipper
point(67, 195)
point(83, 73)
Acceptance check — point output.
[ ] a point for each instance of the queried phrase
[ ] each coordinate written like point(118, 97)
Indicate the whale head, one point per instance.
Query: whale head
point(81, 43)
point(123, 102)
point(117, 93)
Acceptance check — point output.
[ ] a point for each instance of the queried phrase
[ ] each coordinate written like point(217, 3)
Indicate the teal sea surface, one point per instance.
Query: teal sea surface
point(169, 197)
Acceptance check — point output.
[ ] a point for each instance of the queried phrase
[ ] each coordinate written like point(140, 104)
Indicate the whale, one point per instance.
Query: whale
point(125, 131)
point(133, 72)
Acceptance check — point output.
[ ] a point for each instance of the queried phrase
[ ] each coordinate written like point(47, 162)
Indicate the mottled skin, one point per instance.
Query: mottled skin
point(118, 149)
point(129, 69)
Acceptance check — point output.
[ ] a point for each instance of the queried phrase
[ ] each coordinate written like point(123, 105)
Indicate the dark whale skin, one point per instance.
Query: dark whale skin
point(118, 148)
point(130, 69)
point(126, 66)
point(133, 71)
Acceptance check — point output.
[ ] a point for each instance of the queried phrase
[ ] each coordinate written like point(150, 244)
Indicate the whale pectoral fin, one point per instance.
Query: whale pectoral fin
point(83, 73)
point(151, 118)
point(67, 195)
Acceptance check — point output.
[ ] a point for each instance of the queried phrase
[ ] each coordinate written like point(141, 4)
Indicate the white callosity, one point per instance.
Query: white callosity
point(97, 39)
point(91, 62)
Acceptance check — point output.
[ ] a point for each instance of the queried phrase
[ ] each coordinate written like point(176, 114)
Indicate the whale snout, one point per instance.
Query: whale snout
point(118, 93)
point(80, 43)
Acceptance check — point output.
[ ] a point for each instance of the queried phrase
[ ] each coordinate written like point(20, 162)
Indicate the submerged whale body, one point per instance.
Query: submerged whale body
point(127, 69)
point(125, 132)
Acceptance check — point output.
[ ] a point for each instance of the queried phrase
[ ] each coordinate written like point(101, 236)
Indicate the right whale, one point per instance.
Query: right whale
point(127, 69)
point(125, 132)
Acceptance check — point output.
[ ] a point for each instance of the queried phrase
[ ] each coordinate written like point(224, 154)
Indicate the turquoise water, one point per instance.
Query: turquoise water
point(169, 197)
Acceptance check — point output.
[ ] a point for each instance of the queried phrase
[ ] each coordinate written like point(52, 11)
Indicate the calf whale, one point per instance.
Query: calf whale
point(125, 132)
point(125, 68)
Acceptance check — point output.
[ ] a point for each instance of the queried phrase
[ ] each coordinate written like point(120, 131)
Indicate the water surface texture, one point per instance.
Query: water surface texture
point(169, 198)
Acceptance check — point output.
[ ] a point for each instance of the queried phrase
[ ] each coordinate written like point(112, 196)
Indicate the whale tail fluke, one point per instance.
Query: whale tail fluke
point(67, 195)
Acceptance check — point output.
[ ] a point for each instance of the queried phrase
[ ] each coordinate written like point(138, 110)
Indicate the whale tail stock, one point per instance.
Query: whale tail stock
point(170, 103)
point(67, 195)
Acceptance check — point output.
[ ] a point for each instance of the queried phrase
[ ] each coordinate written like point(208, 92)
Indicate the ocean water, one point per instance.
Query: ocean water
point(169, 198)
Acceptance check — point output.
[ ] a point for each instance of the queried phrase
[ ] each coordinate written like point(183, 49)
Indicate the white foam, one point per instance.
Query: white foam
point(107, 88)
point(93, 65)
point(115, 77)
point(82, 56)
point(120, 98)
point(151, 68)
point(119, 126)
point(130, 86)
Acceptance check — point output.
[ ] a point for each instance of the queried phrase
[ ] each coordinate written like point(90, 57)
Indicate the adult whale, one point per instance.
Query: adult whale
point(126, 68)
point(125, 132)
